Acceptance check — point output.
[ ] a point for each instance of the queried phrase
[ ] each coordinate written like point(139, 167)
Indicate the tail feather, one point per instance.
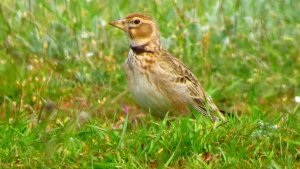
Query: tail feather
point(226, 113)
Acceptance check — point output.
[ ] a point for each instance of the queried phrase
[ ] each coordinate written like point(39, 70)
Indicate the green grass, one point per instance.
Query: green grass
point(63, 92)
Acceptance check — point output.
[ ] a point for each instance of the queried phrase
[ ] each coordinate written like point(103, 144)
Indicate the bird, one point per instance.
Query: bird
point(157, 80)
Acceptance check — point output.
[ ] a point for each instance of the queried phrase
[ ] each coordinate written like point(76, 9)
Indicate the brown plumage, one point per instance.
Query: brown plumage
point(156, 79)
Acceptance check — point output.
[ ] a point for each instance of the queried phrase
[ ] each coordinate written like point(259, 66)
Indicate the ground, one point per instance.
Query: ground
point(64, 101)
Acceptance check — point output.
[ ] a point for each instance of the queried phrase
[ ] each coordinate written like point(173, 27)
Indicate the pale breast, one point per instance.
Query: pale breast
point(141, 84)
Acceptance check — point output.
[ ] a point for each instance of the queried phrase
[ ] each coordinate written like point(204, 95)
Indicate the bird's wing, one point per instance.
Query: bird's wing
point(180, 75)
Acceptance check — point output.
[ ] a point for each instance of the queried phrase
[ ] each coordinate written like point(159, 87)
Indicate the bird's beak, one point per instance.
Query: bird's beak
point(119, 24)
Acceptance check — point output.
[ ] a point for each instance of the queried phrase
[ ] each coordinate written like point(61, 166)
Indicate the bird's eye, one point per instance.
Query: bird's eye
point(137, 21)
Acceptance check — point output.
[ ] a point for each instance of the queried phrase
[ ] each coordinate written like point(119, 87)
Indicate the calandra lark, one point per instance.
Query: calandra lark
point(156, 79)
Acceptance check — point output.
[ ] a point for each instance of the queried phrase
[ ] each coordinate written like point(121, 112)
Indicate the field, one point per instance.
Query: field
point(64, 101)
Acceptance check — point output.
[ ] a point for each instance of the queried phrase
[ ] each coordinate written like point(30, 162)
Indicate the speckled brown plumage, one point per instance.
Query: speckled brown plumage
point(156, 79)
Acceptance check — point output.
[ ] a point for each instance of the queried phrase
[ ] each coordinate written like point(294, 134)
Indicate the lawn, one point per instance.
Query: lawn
point(64, 101)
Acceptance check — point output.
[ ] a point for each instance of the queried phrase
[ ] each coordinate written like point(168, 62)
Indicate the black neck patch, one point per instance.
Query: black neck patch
point(140, 49)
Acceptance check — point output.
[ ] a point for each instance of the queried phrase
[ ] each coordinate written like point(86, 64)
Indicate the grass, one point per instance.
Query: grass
point(64, 101)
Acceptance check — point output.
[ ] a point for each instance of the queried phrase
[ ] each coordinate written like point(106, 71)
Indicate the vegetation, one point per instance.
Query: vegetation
point(64, 100)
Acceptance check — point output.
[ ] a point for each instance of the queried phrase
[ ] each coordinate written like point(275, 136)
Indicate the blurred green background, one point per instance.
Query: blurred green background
point(61, 77)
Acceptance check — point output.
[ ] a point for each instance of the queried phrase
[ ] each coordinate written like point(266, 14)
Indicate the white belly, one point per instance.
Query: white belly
point(145, 92)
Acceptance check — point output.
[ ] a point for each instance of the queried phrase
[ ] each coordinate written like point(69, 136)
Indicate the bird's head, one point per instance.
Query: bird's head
point(141, 29)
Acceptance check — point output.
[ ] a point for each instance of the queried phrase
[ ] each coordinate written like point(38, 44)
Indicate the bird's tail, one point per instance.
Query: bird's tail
point(218, 116)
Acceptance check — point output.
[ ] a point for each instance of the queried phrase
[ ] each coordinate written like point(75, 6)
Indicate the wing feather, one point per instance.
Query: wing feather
point(182, 77)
